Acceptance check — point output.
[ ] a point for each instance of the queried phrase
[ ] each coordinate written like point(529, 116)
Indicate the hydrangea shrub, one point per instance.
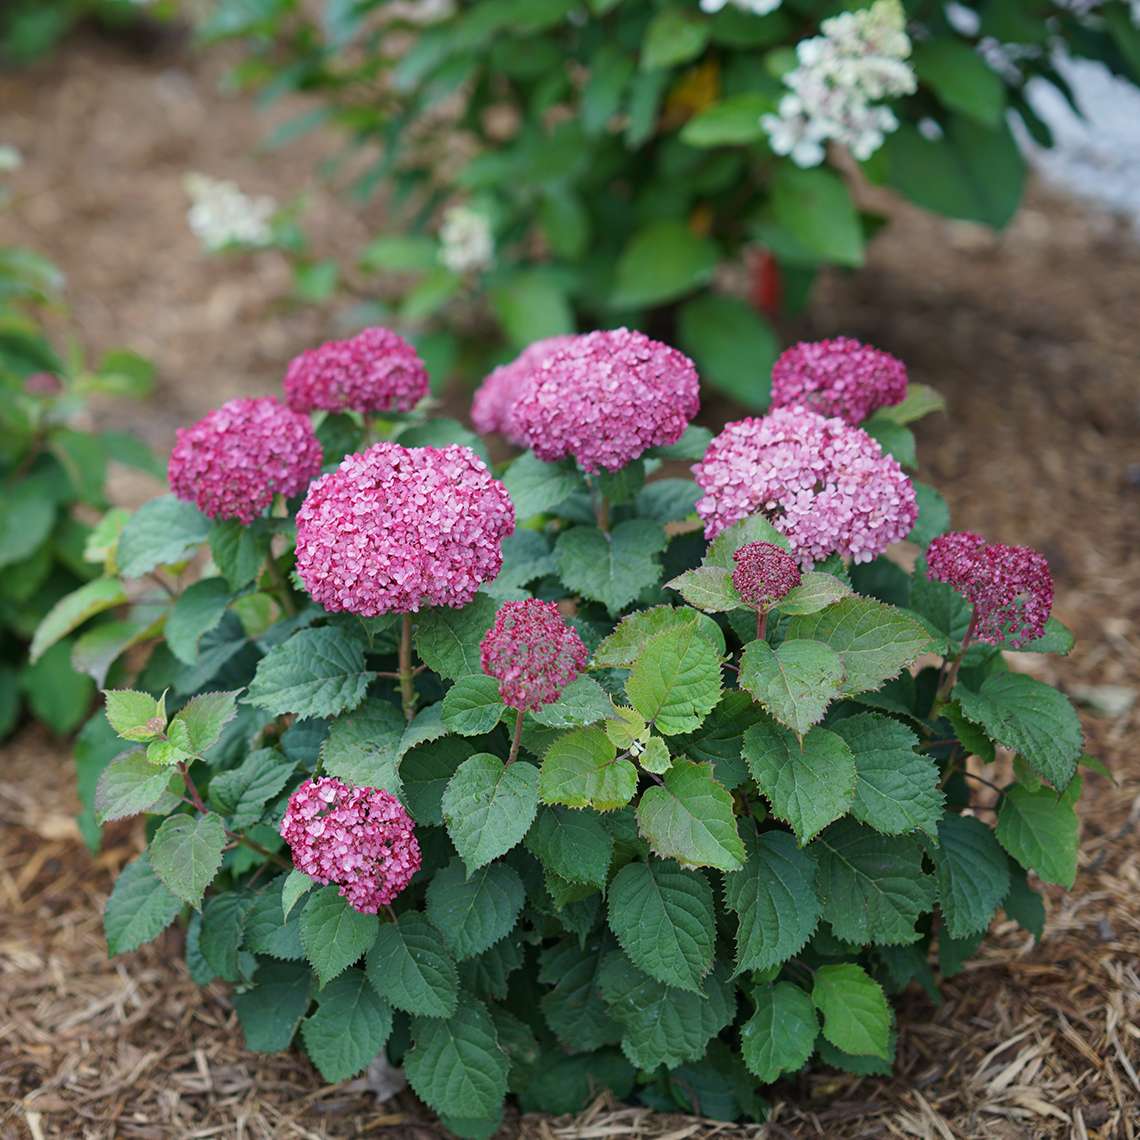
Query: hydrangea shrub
point(541, 779)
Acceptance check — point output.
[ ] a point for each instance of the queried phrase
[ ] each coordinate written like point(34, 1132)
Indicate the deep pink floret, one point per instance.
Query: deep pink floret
point(361, 839)
point(604, 398)
point(823, 484)
point(233, 461)
point(396, 528)
point(840, 377)
point(764, 574)
point(494, 398)
point(1010, 586)
point(374, 371)
point(532, 653)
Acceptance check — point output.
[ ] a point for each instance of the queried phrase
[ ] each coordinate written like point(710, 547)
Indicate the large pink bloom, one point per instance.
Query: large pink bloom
point(491, 405)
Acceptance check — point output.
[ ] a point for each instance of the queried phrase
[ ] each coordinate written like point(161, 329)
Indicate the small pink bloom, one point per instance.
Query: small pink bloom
point(764, 574)
point(494, 398)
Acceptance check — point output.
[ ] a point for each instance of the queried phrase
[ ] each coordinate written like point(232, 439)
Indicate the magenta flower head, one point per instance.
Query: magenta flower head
point(374, 371)
point(494, 398)
point(361, 839)
point(604, 398)
point(532, 653)
point(232, 462)
point(1010, 586)
point(823, 484)
point(764, 574)
point(396, 528)
point(840, 377)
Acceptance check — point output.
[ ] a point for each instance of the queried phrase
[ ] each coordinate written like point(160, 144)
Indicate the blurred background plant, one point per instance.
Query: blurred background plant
point(30, 29)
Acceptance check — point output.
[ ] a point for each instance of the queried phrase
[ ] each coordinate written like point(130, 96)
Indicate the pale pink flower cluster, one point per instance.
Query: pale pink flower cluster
point(374, 371)
point(604, 398)
point(532, 653)
point(491, 406)
point(361, 839)
point(1010, 586)
point(233, 461)
point(395, 528)
point(764, 574)
point(840, 377)
point(823, 484)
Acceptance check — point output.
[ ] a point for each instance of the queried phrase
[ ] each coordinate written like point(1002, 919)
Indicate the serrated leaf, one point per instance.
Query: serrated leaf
point(676, 681)
point(572, 844)
point(268, 930)
point(272, 1008)
point(1040, 829)
point(447, 640)
point(795, 682)
point(128, 785)
point(689, 818)
point(243, 792)
point(667, 500)
point(754, 528)
point(709, 588)
point(197, 610)
point(611, 568)
point(665, 921)
point(582, 769)
point(582, 702)
point(133, 715)
point(856, 1015)
point(186, 853)
point(239, 551)
point(536, 487)
point(1057, 638)
point(815, 592)
point(488, 806)
point(474, 912)
point(139, 908)
point(472, 706)
point(654, 756)
point(780, 1035)
point(199, 723)
point(297, 884)
point(316, 673)
point(222, 930)
point(363, 748)
point(573, 1007)
point(808, 785)
point(425, 772)
point(628, 642)
point(407, 967)
point(160, 532)
point(333, 934)
point(349, 1028)
point(973, 874)
point(72, 610)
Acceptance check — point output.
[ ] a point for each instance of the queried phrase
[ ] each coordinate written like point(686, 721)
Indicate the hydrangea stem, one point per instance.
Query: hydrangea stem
point(761, 623)
point(407, 673)
point(517, 740)
point(280, 586)
point(950, 678)
point(601, 509)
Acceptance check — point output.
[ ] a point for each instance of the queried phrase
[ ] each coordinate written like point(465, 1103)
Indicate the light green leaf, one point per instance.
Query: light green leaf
point(676, 681)
point(754, 528)
point(407, 967)
point(186, 853)
point(139, 909)
point(161, 532)
point(316, 673)
point(73, 609)
point(333, 934)
point(471, 707)
point(734, 121)
point(363, 748)
point(815, 592)
point(297, 885)
point(709, 588)
point(128, 785)
point(856, 1015)
point(582, 769)
point(572, 844)
point(474, 911)
point(198, 725)
point(447, 640)
point(611, 568)
point(921, 400)
point(780, 1035)
point(582, 702)
point(795, 682)
point(1040, 829)
point(973, 874)
point(531, 305)
point(664, 260)
point(635, 631)
point(488, 806)
point(675, 35)
point(198, 609)
point(349, 1028)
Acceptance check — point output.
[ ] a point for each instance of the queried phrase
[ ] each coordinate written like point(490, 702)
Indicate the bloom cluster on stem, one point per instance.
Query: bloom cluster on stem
point(764, 574)
point(361, 839)
point(221, 214)
point(466, 241)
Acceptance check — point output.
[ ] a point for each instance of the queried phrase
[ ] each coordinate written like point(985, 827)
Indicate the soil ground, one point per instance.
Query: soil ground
point(1034, 340)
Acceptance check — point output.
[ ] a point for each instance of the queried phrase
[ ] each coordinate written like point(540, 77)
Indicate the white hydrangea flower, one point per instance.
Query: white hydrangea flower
point(756, 7)
point(10, 159)
point(221, 214)
point(466, 242)
point(860, 58)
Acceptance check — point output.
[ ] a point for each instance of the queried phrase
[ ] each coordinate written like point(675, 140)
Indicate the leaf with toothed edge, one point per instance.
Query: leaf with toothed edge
point(474, 911)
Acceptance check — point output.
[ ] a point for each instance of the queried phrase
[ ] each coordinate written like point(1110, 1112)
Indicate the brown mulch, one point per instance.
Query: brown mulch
point(1033, 339)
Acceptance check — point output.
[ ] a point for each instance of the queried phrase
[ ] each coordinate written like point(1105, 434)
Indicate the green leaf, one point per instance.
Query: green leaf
point(856, 1015)
point(582, 702)
point(611, 568)
point(242, 792)
point(693, 444)
point(1056, 639)
point(471, 706)
point(198, 610)
point(220, 936)
point(457, 1066)
point(333, 934)
point(921, 400)
point(1030, 717)
point(754, 528)
point(874, 640)
point(574, 845)
point(140, 907)
point(128, 785)
point(531, 305)
point(573, 1006)
point(161, 532)
point(425, 771)
point(536, 487)
point(873, 888)
point(198, 725)
point(676, 681)
point(894, 439)
point(135, 715)
point(272, 1008)
point(733, 345)
point(73, 609)
point(296, 886)
point(668, 500)
point(961, 79)
point(27, 514)
point(896, 789)
point(239, 551)
point(689, 818)
point(488, 807)
point(973, 874)
point(1023, 904)
point(186, 853)
point(662, 261)
point(363, 748)
point(474, 911)
point(1039, 829)
point(780, 1035)
point(267, 928)
point(582, 769)
point(316, 673)
point(933, 515)
point(675, 35)
point(407, 967)
point(664, 920)
point(734, 121)
point(774, 898)
point(815, 592)
point(815, 208)
point(795, 682)
point(349, 1028)
point(808, 784)
point(634, 632)
point(447, 640)
point(98, 648)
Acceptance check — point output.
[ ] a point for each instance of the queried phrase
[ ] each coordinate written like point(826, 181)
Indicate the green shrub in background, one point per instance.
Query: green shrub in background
point(584, 163)
point(30, 29)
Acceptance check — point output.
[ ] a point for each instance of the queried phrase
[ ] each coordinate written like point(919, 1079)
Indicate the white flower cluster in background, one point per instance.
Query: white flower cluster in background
point(10, 159)
point(466, 242)
point(859, 59)
point(756, 7)
point(221, 214)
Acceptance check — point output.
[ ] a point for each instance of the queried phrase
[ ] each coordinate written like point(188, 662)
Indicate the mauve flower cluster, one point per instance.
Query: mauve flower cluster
point(233, 461)
point(396, 528)
point(840, 377)
point(604, 398)
point(764, 573)
point(532, 653)
point(1010, 586)
point(826, 485)
point(361, 839)
point(491, 406)
point(374, 371)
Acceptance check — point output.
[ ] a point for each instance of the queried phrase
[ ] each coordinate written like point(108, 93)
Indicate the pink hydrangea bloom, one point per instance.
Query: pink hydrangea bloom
point(532, 653)
point(396, 528)
point(361, 839)
point(604, 398)
point(840, 377)
point(1010, 586)
point(233, 461)
point(764, 573)
point(826, 485)
point(374, 371)
point(491, 405)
